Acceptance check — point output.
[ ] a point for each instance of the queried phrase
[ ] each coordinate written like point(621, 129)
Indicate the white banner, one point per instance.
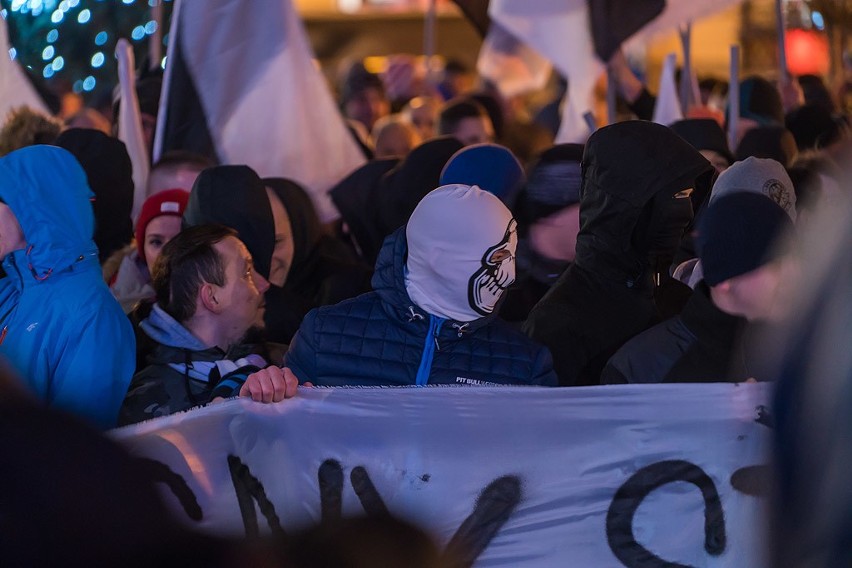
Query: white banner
point(633, 475)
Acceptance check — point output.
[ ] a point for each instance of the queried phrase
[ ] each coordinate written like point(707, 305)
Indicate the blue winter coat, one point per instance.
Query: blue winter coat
point(62, 330)
point(383, 339)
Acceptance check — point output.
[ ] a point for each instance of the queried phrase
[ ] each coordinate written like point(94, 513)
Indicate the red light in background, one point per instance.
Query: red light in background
point(807, 52)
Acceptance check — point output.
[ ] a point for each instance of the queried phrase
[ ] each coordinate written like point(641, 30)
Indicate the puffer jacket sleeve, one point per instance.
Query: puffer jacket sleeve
point(94, 371)
point(301, 356)
point(543, 373)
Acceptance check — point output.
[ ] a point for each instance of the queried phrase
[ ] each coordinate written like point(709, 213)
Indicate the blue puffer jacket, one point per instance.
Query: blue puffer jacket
point(383, 339)
point(62, 330)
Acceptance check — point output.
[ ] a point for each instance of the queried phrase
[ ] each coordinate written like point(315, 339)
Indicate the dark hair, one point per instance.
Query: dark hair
point(456, 110)
point(185, 263)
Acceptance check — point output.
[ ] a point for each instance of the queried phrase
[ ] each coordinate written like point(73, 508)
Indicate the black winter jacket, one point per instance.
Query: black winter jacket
point(606, 296)
point(700, 345)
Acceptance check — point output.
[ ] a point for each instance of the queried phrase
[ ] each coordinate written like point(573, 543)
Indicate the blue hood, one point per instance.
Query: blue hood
point(48, 192)
point(164, 329)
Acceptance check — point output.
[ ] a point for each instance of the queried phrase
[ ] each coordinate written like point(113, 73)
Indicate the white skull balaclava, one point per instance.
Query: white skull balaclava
point(461, 252)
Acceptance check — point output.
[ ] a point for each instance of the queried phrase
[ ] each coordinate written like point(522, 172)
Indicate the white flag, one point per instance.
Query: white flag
point(241, 84)
point(130, 125)
point(667, 110)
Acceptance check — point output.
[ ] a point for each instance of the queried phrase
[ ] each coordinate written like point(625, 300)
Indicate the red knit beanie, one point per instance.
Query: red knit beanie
point(168, 202)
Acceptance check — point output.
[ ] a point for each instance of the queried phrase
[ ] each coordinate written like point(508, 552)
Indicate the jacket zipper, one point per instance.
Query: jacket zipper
point(429, 346)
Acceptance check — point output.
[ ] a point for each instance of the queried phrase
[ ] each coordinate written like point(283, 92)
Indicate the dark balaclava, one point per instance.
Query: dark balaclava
point(110, 174)
point(236, 197)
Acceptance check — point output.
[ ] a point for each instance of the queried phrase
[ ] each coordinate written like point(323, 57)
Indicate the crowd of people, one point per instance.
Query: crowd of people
point(468, 252)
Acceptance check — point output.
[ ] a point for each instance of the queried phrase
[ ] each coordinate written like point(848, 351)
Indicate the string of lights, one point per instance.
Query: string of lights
point(73, 41)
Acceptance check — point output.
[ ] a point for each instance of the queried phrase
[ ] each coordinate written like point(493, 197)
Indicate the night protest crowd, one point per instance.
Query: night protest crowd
point(470, 251)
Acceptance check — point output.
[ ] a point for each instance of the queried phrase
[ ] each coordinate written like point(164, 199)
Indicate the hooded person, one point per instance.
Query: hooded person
point(488, 166)
point(354, 198)
point(738, 238)
point(637, 178)
point(323, 269)
point(402, 188)
point(432, 317)
point(159, 221)
point(548, 213)
point(62, 330)
point(707, 137)
point(110, 174)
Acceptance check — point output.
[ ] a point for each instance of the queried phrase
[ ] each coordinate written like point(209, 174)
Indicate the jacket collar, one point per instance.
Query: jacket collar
point(19, 268)
point(708, 322)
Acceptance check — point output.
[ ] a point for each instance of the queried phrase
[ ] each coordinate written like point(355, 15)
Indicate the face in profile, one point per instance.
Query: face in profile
point(11, 235)
point(240, 300)
point(282, 255)
point(367, 106)
point(474, 130)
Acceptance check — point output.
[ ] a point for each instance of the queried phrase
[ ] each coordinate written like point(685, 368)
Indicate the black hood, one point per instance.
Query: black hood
point(236, 197)
point(110, 175)
point(304, 222)
point(402, 188)
point(354, 198)
point(625, 166)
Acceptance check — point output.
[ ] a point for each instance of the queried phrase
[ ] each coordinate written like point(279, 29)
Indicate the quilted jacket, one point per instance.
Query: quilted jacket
point(383, 339)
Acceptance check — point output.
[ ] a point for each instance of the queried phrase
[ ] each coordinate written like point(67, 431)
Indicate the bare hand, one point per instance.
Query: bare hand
point(272, 384)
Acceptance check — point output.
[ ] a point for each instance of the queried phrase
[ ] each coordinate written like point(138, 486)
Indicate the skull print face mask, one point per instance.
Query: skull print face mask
point(496, 273)
point(461, 253)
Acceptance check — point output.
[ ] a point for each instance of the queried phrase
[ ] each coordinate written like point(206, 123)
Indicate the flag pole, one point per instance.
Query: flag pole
point(781, 25)
point(429, 41)
point(155, 44)
point(611, 94)
point(686, 70)
point(734, 98)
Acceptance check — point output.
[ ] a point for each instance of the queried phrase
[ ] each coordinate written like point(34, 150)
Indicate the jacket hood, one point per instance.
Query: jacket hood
point(354, 198)
point(402, 188)
point(304, 222)
point(47, 190)
point(165, 330)
point(110, 174)
point(625, 166)
point(236, 197)
point(389, 281)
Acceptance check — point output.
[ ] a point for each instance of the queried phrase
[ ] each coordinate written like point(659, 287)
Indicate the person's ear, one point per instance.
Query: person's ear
point(207, 295)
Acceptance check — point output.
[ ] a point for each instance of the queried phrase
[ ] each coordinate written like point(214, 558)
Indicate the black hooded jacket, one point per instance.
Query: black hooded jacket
point(324, 270)
point(355, 198)
point(110, 174)
point(702, 344)
point(630, 171)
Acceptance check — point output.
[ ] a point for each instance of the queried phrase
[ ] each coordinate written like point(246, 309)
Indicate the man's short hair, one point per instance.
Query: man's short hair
point(174, 159)
point(457, 110)
point(185, 263)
